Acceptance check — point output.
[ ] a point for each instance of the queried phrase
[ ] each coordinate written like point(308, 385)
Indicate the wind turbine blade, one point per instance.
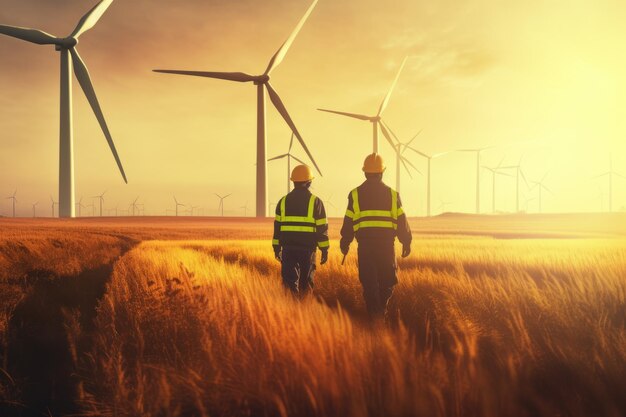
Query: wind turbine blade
point(290, 143)
point(523, 177)
point(382, 122)
point(91, 18)
point(500, 163)
point(218, 196)
point(417, 152)
point(385, 102)
point(282, 51)
point(406, 167)
point(547, 189)
point(82, 74)
point(228, 195)
point(413, 138)
point(229, 76)
point(353, 115)
point(544, 177)
point(283, 112)
point(31, 35)
point(504, 174)
point(299, 160)
point(386, 135)
point(411, 165)
point(278, 157)
point(619, 175)
point(437, 155)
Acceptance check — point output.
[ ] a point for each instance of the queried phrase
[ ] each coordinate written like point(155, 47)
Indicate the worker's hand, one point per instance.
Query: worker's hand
point(324, 257)
point(406, 250)
point(278, 255)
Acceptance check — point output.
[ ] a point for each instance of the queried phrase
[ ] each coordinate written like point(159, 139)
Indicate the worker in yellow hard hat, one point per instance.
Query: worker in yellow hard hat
point(375, 217)
point(299, 229)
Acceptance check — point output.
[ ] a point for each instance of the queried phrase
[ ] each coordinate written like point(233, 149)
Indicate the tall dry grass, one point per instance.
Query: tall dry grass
point(480, 327)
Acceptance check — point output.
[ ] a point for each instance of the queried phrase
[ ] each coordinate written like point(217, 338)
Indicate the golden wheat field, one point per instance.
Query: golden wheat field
point(493, 316)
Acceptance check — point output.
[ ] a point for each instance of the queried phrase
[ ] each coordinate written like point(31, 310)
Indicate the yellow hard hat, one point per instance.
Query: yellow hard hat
point(301, 173)
point(374, 164)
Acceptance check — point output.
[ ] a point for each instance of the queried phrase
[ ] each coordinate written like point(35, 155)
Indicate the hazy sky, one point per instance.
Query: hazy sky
point(481, 73)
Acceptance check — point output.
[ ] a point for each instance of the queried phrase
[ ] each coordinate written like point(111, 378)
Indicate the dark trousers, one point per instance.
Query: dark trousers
point(298, 269)
point(377, 273)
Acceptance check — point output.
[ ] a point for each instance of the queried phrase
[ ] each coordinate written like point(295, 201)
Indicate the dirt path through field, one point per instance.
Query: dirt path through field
point(47, 334)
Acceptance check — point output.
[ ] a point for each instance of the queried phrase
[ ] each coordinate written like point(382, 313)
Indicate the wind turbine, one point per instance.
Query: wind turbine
point(541, 185)
point(101, 199)
point(399, 149)
point(70, 58)
point(53, 204)
point(376, 119)
point(429, 159)
point(12, 197)
point(601, 195)
point(478, 151)
point(610, 174)
point(35, 209)
point(289, 156)
point(221, 205)
point(134, 206)
point(518, 173)
point(494, 172)
point(177, 205)
point(263, 83)
point(245, 209)
point(80, 206)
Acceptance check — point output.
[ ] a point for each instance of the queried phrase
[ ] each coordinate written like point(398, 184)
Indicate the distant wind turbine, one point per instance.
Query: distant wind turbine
point(134, 206)
point(400, 148)
point(429, 159)
point(610, 174)
point(53, 203)
point(477, 151)
point(80, 206)
point(101, 200)
point(541, 187)
point(70, 58)
point(519, 174)
point(35, 209)
point(289, 156)
point(263, 83)
point(14, 198)
point(177, 205)
point(376, 119)
point(495, 171)
point(328, 203)
point(245, 209)
point(221, 205)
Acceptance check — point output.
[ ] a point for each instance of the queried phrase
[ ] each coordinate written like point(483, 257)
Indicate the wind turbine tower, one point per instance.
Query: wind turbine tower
point(610, 174)
point(494, 173)
point(263, 83)
point(477, 151)
point(14, 200)
point(289, 156)
point(101, 201)
point(70, 59)
point(177, 205)
point(221, 205)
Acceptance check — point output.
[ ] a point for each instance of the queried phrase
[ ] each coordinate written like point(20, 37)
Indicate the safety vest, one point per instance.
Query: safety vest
point(305, 224)
point(381, 219)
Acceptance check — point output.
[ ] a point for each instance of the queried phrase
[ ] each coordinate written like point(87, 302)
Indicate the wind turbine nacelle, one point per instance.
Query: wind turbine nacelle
point(66, 43)
point(262, 79)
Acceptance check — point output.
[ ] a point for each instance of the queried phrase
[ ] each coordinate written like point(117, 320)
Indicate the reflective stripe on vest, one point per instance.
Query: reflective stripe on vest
point(383, 219)
point(304, 224)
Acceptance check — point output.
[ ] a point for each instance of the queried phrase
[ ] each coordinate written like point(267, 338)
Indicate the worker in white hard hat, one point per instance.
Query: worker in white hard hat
point(300, 229)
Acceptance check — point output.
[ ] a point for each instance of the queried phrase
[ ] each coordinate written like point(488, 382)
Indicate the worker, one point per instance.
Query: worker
point(375, 218)
point(299, 229)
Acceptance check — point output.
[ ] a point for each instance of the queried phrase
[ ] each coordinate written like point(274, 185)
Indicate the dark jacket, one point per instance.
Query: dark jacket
point(297, 204)
point(375, 195)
